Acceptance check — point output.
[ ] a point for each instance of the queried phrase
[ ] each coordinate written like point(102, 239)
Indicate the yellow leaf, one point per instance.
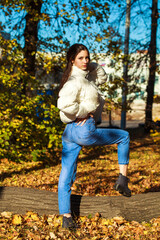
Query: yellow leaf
point(17, 219)
point(35, 217)
point(83, 219)
point(105, 221)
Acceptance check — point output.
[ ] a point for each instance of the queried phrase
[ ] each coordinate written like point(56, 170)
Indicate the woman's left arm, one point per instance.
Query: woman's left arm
point(97, 74)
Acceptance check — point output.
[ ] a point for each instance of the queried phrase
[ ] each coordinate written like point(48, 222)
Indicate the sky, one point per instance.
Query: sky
point(139, 30)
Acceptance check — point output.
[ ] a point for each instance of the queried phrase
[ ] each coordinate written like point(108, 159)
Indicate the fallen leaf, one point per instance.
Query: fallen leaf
point(52, 235)
point(6, 214)
point(35, 217)
point(119, 220)
point(17, 219)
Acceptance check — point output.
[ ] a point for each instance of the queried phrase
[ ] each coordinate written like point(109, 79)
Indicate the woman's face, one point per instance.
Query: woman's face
point(82, 60)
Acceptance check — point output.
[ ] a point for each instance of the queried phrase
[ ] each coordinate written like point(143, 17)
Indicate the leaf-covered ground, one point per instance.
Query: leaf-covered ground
point(34, 227)
point(97, 172)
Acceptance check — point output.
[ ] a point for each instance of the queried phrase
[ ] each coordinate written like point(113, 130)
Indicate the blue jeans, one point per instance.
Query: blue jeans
point(76, 136)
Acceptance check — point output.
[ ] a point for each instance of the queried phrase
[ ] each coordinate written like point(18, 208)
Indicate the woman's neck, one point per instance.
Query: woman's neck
point(76, 70)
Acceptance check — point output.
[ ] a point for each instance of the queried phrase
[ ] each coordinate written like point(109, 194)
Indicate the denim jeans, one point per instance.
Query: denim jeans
point(76, 136)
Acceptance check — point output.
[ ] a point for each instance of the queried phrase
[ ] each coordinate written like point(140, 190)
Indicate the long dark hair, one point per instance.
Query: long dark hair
point(73, 51)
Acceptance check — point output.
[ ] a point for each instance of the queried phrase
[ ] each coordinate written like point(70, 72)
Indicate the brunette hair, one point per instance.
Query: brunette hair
point(73, 51)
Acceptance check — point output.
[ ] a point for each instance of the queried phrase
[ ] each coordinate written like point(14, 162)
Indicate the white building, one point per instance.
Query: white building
point(138, 70)
point(138, 75)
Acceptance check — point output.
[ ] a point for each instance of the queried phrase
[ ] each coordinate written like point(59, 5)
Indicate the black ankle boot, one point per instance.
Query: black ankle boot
point(69, 223)
point(121, 185)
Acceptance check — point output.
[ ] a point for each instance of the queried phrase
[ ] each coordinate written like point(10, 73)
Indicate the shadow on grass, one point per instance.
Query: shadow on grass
point(93, 153)
point(144, 174)
point(136, 133)
point(90, 154)
point(25, 170)
point(153, 189)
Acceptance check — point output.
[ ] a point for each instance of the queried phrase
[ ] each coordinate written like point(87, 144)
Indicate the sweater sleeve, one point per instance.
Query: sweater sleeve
point(97, 74)
point(88, 106)
point(67, 101)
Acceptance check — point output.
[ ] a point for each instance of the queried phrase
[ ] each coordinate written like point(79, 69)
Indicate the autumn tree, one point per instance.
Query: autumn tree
point(54, 25)
point(125, 65)
point(32, 17)
point(61, 21)
point(28, 21)
point(152, 65)
point(143, 43)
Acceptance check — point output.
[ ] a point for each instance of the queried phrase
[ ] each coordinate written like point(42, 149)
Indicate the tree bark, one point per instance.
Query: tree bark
point(125, 66)
point(31, 37)
point(141, 207)
point(152, 66)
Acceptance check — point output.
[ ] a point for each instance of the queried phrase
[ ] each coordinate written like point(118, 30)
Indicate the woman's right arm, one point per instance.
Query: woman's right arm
point(67, 101)
point(70, 105)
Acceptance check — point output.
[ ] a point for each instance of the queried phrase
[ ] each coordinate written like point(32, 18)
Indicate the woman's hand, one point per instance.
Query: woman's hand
point(81, 121)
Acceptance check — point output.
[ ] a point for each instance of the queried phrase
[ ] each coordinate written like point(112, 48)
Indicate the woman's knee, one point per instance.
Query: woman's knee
point(64, 178)
point(126, 137)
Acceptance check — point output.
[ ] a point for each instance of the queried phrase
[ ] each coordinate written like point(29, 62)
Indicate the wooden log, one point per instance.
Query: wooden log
point(141, 207)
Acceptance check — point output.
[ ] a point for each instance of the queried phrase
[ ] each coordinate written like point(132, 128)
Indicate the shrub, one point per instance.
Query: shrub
point(23, 134)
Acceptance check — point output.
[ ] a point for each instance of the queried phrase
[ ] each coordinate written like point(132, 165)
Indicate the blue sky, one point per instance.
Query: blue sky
point(140, 25)
point(140, 28)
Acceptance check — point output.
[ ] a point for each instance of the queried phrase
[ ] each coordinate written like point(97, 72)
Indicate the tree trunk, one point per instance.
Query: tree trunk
point(125, 66)
point(140, 207)
point(152, 66)
point(31, 37)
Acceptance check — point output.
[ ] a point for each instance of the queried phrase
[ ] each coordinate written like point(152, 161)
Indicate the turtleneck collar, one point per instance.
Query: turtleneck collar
point(78, 71)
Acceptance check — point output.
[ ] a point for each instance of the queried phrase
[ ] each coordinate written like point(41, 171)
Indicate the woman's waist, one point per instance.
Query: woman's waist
point(82, 121)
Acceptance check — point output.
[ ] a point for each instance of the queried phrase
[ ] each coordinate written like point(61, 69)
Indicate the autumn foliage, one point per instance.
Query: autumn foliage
point(97, 171)
point(30, 124)
point(32, 226)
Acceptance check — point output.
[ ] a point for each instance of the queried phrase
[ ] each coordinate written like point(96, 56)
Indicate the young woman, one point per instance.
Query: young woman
point(80, 105)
